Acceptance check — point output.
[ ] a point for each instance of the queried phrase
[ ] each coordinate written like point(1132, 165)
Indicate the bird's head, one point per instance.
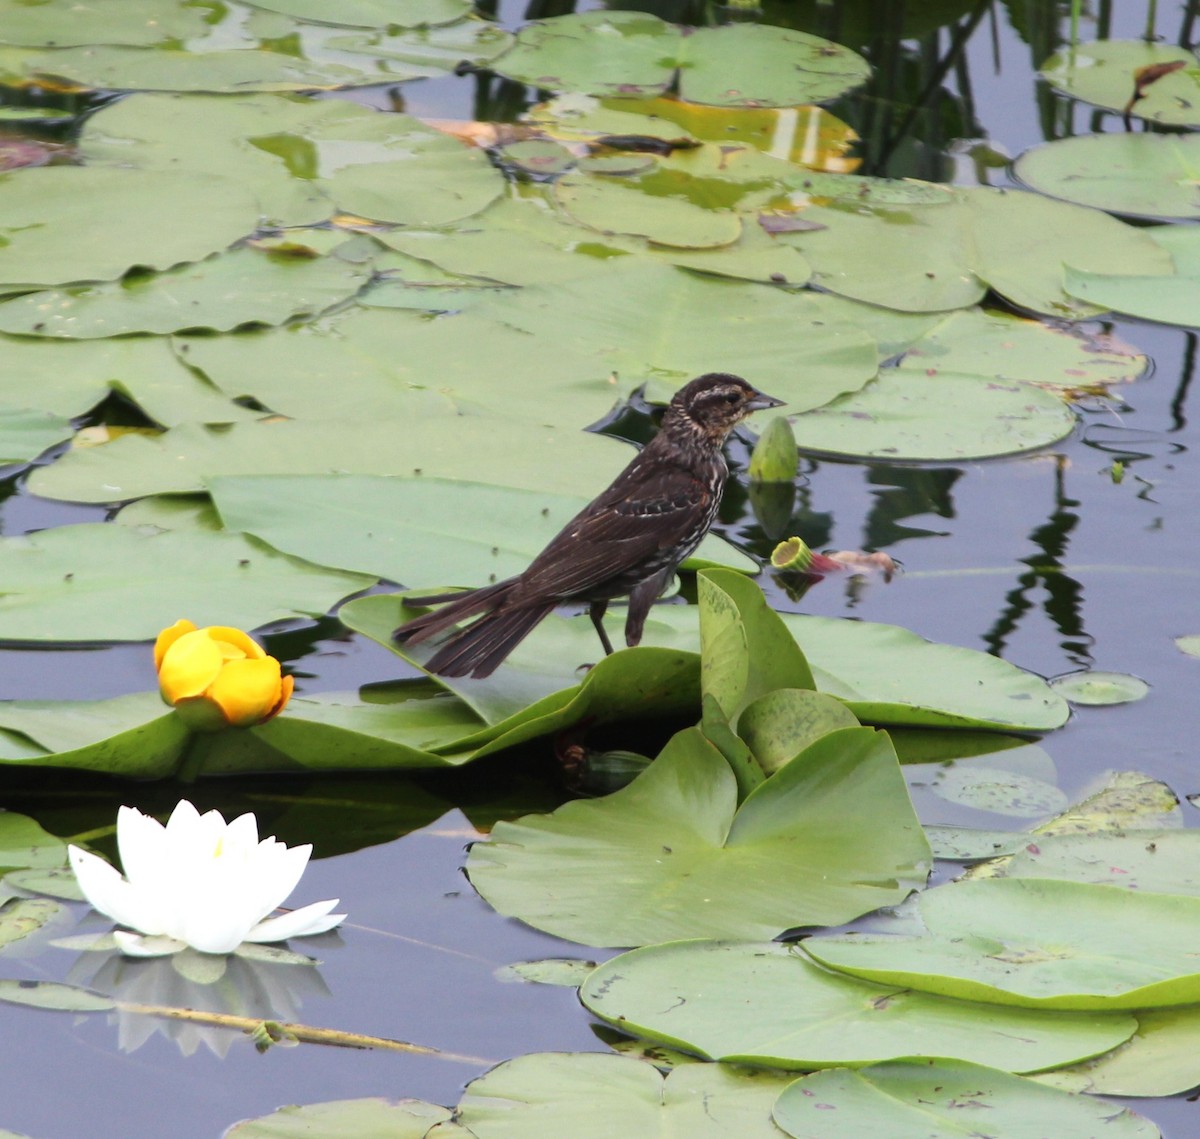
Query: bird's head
point(717, 402)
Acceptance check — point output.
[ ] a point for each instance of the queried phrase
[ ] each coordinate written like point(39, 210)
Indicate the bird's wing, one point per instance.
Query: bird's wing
point(650, 510)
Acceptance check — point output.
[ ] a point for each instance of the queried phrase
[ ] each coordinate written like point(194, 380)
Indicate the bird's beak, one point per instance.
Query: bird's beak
point(760, 401)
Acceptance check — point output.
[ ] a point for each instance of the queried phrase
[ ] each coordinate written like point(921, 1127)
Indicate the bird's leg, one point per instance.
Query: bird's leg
point(643, 595)
point(596, 613)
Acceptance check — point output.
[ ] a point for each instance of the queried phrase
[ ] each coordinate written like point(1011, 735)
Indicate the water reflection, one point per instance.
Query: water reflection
point(271, 988)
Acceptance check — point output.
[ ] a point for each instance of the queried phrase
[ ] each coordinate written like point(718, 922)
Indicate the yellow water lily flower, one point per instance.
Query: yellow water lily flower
point(218, 677)
point(199, 882)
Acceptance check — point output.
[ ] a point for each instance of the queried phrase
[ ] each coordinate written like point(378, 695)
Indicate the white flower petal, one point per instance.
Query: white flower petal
point(109, 893)
point(303, 922)
point(278, 872)
point(241, 835)
point(142, 844)
point(135, 945)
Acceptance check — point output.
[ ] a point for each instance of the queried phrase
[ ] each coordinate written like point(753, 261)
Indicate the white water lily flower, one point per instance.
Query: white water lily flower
point(198, 881)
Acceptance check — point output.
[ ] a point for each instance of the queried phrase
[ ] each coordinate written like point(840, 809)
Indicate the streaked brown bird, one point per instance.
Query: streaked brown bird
point(629, 540)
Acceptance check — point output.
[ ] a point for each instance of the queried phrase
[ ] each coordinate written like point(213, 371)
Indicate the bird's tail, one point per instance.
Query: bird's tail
point(483, 644)
point(459, 605)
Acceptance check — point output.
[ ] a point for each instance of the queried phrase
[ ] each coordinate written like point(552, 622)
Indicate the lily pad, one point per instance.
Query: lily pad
point(243, 286)
point(1138, 175)
point(937, 1099)
point(1160, 1059)
point(631, 54)
point(669, 857)
point(1105, 74)
point(25, 433)
point(780, 724)
point(369, 1118)
point(53, 995)
point(64, 23)
point(994, 789)
point(1004, 347)
point(766, 1004)
point(63, 379)
point(93, 582)
point(21, 918)
point(584, 1094)
point(1022, 241)
point(79, 223)
point(1095, 687)
point(1036, 943)
point(1150, 861)
point(415, 530)
point(372, 13)
point(23, 843)
point(945, 416)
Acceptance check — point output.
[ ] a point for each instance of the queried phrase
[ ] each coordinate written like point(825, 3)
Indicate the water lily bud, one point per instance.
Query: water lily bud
point(793, 554)
point(774, 457)
point(217, 677)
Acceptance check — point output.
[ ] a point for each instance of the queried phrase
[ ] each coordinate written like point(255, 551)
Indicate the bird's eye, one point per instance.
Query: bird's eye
point(732, 397)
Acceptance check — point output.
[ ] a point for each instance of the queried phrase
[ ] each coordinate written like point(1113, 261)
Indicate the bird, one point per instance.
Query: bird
point(628, 541)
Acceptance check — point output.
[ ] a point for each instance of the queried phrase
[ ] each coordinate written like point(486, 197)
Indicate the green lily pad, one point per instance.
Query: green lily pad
point(993, 789)
point(22, 917)
point(80, 223)
point(53, 995)
point(180, 461)
point(1169, 300)
point(1001, 346)
point(1036, 943)
point(1095, 687)
point(1022, 241)
point(1103, 74)
point(655, 205)
point(93, 582)
point(371, 13)
point(1160, 1059)
point(925, 246)
point(968, 844)
point(550, 1094)
point(57, 882)
point(747, 651)
point(938, 1099)
point(1138, 175)
point(62, 379)
point(416, 530)
point(23, 843)
point(26, 433)
point(766, 1004)
point(885, 674)
point(243, 286)
point(64, 23)
point(780, 724)
point(368, 1118)
point(1150, 861)
point(944, 416)
point(669, 857)
point(630, 54)
point(664, 324)
point(1189, 644)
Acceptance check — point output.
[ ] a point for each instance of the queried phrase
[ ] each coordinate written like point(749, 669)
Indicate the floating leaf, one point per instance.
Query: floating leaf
point(569, 972)
point(1036, 943)
point(1001, 346)
point(550, 1094)
point(966, 844)
point(19, 919)
point(1105, 74)
point(781, 724)
point(1022, 241)
point(993, 789)
point(766, 1004)
point(81, 223)
point(369, 1118)
point(935, 1098)
point(630, 54)
point(418, 530)
point(24, 843)
point(64, 23)
point(668, 856)
point(372, 13)
point(25, 434)
point(1151, 861)
point(943, 416)
point(1189, 644)
point(243, 286)
point(1139, 175)
point(1160, 1059)
point(1095, 687)
point(53, 995)
point(93, 582)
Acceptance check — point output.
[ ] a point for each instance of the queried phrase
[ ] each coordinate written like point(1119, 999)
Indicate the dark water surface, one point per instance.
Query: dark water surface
point(1044, 560)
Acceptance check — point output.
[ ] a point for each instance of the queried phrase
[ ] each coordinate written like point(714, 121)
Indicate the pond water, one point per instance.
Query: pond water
point(1046, 560)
